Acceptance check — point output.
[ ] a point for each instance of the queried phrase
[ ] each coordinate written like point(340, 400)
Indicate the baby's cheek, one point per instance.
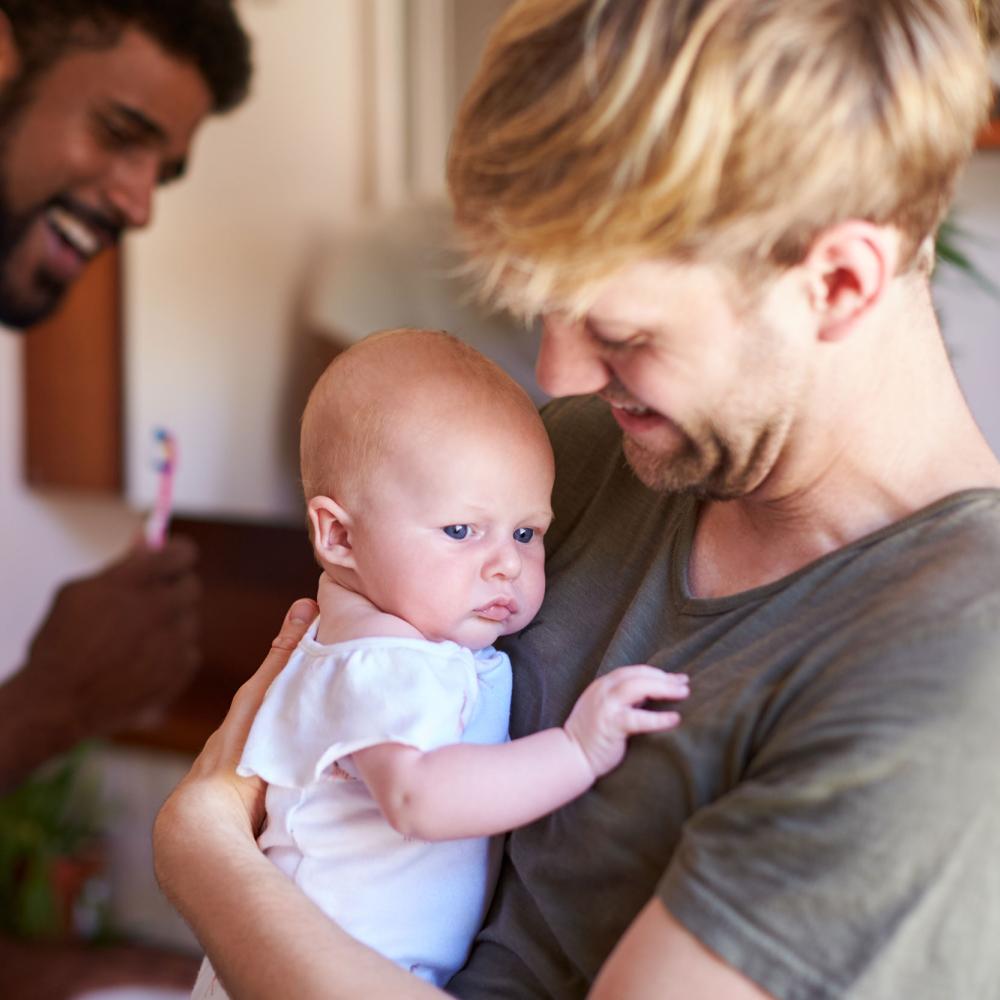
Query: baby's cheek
point(533, 601)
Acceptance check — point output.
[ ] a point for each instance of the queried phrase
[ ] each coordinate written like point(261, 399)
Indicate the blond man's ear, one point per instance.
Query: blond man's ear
point(331, 532)
point(851, 265)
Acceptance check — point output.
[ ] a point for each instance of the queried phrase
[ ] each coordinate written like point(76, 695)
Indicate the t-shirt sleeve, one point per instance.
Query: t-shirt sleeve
point(864, 830)
point(323, 710)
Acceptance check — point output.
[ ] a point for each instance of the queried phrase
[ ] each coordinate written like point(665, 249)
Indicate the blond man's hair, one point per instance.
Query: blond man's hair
point(600, 132)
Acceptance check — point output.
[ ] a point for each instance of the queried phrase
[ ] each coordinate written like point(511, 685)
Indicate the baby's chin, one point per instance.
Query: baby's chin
point(482, 641)
point(477, 634)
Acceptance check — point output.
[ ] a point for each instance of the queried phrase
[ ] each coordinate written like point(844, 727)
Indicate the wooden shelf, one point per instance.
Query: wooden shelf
point(251, 574)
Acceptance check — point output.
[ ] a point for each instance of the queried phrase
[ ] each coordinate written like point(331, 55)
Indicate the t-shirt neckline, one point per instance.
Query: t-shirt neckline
point(686, 603)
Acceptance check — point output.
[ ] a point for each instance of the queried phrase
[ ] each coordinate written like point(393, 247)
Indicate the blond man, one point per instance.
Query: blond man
point(724, 212)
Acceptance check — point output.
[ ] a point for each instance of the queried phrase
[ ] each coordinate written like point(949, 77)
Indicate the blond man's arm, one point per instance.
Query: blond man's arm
point(659, 959)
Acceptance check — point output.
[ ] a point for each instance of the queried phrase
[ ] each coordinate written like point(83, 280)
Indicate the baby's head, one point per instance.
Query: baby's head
point(428, 476)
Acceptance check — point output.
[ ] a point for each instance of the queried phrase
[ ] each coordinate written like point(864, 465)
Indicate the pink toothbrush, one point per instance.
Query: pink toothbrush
point(165, 465)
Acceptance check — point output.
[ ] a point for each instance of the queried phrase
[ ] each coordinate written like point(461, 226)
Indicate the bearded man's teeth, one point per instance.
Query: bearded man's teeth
point(632, 408)
point(73, 231)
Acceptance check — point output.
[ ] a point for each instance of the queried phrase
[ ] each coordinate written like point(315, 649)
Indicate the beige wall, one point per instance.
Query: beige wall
point(969, 315)
point(334, 133)
point(211, 287)
point(46, 537)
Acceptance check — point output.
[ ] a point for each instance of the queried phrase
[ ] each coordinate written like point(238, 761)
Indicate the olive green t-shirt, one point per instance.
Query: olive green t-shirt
point(827, 816)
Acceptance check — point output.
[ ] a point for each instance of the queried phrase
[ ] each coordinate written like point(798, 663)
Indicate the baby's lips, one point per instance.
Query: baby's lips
point(498, 611)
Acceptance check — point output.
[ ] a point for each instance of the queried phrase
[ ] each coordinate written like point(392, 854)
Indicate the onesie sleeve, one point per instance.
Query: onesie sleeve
point(322, 709)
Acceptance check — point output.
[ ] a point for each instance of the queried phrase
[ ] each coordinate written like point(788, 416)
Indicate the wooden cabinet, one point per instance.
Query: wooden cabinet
point(73, 387)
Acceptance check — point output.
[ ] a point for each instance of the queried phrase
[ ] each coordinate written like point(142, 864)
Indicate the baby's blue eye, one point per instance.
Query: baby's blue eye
point(524, 535)
point(458, 531)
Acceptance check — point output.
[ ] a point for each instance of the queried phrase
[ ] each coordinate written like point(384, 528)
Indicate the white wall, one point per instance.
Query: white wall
point(44, 537)
point(211, 288)
point(970, 316)
point(351, 112)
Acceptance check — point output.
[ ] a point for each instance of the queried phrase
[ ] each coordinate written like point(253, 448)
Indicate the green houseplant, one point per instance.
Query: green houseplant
point(950, 254)
point(50, 853)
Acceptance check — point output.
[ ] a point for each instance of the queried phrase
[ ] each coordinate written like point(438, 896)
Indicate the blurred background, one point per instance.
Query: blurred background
point(314, 214)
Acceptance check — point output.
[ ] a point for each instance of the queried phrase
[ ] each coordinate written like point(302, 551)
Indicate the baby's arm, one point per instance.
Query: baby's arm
point(469, 790)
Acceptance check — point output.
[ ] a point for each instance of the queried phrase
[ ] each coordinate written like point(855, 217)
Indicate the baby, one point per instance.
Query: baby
point(384, 740)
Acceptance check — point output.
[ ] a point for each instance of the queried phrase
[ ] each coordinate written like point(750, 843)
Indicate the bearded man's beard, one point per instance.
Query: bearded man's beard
point(710, 467)
point(14, 311)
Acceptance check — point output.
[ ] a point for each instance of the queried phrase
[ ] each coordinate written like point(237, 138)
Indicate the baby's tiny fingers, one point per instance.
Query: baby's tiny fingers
point(639, 689)
point(635, 670)
point(642, 720)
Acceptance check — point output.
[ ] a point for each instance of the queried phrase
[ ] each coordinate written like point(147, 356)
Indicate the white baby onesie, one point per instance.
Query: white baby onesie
point(418, 903)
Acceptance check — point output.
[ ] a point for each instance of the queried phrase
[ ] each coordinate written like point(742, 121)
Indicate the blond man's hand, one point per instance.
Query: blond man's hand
point(212, 798)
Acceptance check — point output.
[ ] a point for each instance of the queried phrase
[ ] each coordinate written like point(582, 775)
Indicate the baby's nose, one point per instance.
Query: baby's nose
point(505, 562)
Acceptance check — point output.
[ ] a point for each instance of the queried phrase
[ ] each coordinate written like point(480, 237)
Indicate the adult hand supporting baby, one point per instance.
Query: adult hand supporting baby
point(263, 936)
point(212, 790)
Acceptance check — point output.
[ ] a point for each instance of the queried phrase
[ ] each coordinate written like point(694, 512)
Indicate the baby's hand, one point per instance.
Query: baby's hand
point(605, 715)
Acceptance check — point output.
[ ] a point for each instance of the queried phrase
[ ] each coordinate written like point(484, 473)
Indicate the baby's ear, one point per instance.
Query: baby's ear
point(331, 532)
